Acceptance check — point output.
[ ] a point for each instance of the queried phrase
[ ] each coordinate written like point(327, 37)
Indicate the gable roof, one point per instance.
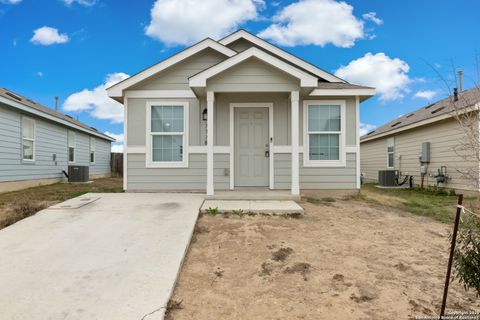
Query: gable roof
point(280, 53)
point(200, 79)
point(440, 110)
point(27, 105)
point(117, 89)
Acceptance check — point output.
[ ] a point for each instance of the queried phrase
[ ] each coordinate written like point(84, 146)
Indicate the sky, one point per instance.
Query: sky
point(409, 50)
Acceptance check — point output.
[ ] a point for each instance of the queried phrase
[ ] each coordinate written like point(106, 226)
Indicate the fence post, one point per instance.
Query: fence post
point(452, 252)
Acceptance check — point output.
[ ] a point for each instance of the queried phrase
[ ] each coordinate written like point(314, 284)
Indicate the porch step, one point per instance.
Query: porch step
point(254, 194)
point(273, 207)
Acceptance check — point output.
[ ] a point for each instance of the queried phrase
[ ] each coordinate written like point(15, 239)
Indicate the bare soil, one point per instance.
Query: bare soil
point(343, 260)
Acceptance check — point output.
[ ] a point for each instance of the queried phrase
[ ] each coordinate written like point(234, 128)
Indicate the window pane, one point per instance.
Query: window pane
point(27, 150)
point(167, 148)
point(71, 139)
point(167, 119)
point(71, 154)
point(92, 156)
point(324, 147)
point(323, 118)
point(390, 160)
point(28, 128)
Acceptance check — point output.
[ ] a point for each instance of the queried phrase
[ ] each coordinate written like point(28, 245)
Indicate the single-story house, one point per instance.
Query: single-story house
point(429, 144)
point(38, 143)
point(239, 112)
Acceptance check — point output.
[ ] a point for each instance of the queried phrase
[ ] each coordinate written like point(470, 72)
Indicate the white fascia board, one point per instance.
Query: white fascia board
point(474, 108)
point(159, 94)
point(117, 89)
point(200, 79)
point(47, 116)
point(281, 53)
point(342, 92)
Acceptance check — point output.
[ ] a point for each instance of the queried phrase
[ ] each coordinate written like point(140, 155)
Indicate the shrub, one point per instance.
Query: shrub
point(466, 260)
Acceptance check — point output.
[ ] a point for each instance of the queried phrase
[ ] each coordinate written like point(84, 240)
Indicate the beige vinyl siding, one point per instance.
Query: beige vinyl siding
point(443, 137)
point(137, 120)
point(252, 75)
point(240, 45)
point(193, 178)
point(176, 77)
point(315, 177)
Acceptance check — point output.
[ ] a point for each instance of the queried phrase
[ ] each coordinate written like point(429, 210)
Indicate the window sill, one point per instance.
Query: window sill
point(166, 165)
point(24, 161)
point(324, 164)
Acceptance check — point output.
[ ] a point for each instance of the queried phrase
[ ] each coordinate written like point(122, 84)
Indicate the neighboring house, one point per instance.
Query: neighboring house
point(37, 143)
point(239, 112)
point(398, 144)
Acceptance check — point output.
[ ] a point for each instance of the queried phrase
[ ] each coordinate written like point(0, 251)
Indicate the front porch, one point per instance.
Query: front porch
point(253, 194)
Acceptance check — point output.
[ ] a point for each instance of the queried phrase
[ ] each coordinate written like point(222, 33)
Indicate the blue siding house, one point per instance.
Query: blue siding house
point(37, 143)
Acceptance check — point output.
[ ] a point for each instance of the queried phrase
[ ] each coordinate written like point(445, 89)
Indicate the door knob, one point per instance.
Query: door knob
point(267, 154)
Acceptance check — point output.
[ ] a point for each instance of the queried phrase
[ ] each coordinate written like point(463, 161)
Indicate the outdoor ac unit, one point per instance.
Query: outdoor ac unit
point(78, 173)
point(388, 178)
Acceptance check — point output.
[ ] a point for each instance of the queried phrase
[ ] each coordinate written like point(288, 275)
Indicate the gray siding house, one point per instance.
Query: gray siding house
point(239, 113)
point(37, 143)
point(444, 127)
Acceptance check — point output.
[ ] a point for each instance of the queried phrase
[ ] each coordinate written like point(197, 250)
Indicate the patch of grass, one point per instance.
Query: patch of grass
point(238, 212)
point(212, 211)
point(327, 201)
point(281, 254)
point(434, 202)
point(20, 204)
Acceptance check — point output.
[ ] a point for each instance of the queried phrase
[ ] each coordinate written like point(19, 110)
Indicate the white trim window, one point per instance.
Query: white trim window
point(390, 153)
point(71, 146)
point(92, 150)
point(28, 139)
point(324, 133)
point(167, 135)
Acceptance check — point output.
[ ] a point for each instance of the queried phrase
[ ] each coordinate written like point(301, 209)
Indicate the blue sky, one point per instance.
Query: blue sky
point(399, 46)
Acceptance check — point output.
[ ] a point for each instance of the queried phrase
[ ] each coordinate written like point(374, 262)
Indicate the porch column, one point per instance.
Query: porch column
point(295, 160)
point(210, 102)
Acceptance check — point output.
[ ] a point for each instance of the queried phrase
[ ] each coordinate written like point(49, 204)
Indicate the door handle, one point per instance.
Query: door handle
point(267, 154)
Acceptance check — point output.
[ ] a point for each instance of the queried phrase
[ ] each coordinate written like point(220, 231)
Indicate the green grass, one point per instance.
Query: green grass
point(436, 203)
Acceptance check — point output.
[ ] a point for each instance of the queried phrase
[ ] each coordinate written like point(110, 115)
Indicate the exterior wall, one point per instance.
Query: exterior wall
point(443, 137)
point(50, 139)
point(240, 45)
point(176, 77)
point(315, 178)
point(252, 75)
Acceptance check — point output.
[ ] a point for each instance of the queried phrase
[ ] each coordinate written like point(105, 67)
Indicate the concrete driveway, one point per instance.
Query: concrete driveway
point(98, 256)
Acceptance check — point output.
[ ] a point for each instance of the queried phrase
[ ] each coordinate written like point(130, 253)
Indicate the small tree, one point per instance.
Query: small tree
point(467, 255)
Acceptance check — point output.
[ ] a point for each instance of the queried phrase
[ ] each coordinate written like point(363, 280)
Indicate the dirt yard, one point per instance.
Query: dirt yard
point(343, 260)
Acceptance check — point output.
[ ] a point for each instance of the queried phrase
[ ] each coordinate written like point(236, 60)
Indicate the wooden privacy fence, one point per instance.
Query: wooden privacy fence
point(116, 164)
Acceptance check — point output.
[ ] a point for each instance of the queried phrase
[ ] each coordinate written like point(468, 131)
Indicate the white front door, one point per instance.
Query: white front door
point(251, 151)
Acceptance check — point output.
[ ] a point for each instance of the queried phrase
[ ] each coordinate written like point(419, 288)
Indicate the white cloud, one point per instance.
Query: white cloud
point(85, 3)
point(389, 76)
point(117, 148)
point(179, 22)
point(366, 128)
point(47, 36)
point(317, 22)
point(426, 94)
point(40, 73)
point(117, 136)
point(10, 1)
point(372, 16)
point(97, 102)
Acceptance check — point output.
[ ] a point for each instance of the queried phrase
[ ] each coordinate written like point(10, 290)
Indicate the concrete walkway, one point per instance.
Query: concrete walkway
point(99, 256)
point(273, 207)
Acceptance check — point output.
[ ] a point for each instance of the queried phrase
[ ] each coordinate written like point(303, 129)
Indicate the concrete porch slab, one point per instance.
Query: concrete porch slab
point(253, 194)
point(273, 207)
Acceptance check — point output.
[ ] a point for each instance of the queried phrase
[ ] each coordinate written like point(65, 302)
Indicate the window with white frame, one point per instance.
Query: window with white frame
point(28, 139)
point(390, 153)
point(167, 134)
point(71, 146)
point(324, 132)
point(92, 150)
